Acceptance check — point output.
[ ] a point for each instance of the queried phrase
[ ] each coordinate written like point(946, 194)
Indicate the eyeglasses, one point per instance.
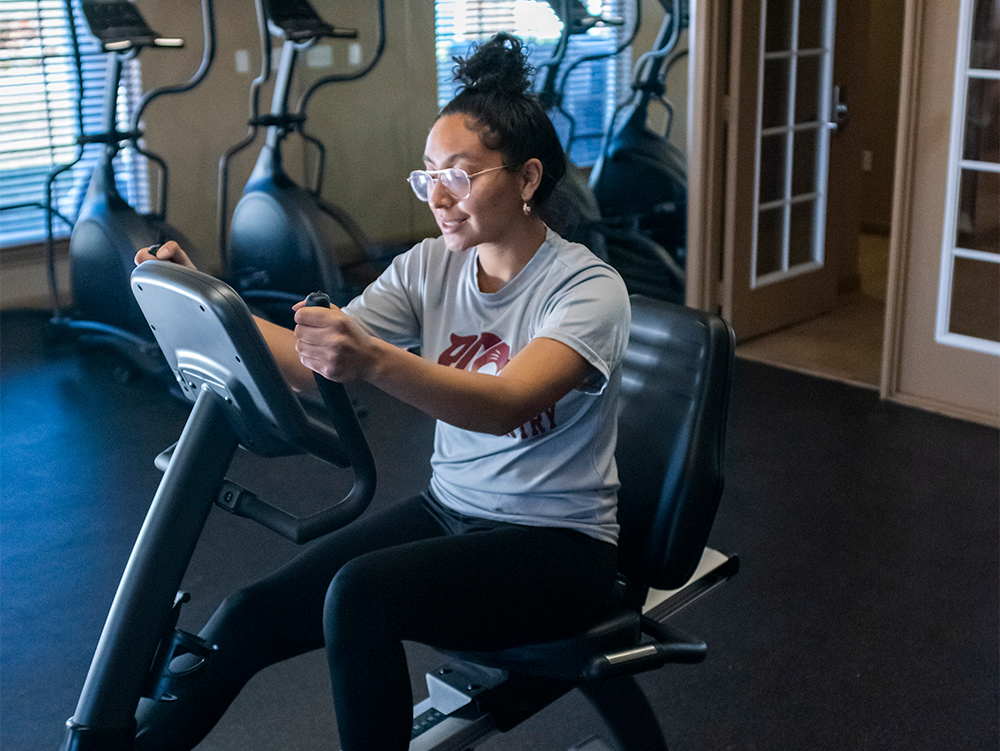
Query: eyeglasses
point(455, 180)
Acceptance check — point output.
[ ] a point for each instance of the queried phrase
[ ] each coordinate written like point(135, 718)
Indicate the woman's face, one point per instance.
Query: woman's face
point(486, 215)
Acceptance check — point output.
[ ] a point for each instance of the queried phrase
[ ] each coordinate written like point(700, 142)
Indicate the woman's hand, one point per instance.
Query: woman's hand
point(168, 251)
point(331, 343)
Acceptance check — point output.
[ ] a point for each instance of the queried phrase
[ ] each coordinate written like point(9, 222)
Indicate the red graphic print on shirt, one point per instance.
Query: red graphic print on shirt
point(493, 355)
point(464, 348)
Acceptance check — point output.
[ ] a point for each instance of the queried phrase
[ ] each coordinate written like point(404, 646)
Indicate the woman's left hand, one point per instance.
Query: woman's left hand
point(331, 343)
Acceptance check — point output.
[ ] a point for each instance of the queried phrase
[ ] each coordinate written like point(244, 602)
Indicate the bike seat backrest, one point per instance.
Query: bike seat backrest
point(211, 341)
point(672, 428)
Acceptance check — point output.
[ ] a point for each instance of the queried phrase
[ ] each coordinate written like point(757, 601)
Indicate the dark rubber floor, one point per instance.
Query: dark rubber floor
point(865, 615)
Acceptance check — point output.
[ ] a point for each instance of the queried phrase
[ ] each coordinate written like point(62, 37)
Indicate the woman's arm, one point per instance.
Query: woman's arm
point(331, 343)
point(281, 342)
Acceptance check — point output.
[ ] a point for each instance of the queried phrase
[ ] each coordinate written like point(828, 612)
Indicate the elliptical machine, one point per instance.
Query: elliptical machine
point(640, 179)
point(577, 21)
point(632, 212)
point(284, 239)
point(108, 229)
point(572, 210)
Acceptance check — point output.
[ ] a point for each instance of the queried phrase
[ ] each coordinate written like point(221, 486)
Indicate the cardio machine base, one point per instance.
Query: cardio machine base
point(134, 353)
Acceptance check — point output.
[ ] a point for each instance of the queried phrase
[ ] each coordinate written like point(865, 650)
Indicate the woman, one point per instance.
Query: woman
point(521, 335)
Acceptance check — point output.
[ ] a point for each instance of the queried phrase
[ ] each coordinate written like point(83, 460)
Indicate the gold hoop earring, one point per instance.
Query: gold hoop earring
point(526, 209)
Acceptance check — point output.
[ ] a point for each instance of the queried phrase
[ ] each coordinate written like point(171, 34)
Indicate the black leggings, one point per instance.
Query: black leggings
point(414, 571)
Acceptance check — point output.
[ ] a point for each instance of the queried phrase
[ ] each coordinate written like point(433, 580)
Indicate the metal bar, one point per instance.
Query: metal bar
point(163, 549)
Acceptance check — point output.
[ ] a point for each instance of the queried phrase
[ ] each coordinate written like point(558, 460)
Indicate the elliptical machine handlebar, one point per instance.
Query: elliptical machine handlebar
point(354, 75)
point(119, 27)
point(649, 70)
point(576, 20)
point(207, 57)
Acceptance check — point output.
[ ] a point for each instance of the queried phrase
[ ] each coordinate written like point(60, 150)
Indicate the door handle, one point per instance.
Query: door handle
point(838, 110)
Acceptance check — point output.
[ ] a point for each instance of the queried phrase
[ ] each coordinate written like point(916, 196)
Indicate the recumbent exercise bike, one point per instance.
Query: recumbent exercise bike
point(675, 392)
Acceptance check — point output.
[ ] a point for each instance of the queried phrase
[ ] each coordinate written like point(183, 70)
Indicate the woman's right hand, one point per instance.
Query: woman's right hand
point(168, 251)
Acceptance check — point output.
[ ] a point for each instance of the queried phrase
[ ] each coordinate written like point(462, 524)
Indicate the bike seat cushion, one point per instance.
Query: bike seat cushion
point(616, 629)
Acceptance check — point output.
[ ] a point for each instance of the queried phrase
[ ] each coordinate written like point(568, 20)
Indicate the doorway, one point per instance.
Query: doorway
point(944, 268)
point(844, 342)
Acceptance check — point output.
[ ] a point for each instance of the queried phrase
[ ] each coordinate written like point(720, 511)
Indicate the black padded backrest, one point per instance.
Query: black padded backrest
point(676, 381)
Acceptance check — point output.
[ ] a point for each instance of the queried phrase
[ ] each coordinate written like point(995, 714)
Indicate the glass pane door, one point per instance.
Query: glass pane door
point(793, 132)
point(969, 295)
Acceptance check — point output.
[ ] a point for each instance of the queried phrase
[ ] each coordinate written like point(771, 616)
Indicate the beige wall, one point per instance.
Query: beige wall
point(374, 129)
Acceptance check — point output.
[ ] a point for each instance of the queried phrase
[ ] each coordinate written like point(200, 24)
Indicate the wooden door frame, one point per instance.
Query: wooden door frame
point(902, 198)
point(918, 46)
point(707, 113)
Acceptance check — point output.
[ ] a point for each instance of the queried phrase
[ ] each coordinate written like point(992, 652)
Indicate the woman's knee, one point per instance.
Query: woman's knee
point(352, 603)
point(256, 615)
point(234, 612)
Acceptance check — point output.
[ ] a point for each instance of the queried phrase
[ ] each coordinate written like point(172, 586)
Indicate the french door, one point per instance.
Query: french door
point(782, 109)
point(943, 332)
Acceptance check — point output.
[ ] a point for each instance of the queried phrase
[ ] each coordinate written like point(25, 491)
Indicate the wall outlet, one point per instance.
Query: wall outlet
point(319, 56)
point(242, 61)
point(354, 53)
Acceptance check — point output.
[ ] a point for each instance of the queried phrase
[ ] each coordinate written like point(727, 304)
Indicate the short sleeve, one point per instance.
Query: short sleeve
point(591, 314)
point(391, 307)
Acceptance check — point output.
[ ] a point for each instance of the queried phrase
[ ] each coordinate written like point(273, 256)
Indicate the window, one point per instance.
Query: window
point(44, 112)
point(591, 92)
point(793, 137)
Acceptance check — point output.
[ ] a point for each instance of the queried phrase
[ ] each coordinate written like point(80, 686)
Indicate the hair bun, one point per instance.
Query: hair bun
point(499, 65)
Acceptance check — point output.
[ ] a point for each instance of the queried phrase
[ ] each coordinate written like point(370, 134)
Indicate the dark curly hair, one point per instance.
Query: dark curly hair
point(494, 85)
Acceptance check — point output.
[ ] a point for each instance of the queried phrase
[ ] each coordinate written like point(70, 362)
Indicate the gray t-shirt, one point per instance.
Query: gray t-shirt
point(558, 469)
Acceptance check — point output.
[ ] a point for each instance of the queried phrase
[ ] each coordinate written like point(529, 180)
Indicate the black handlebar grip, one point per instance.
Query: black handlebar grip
point(336, 399)
point(333, 393)
point(352, 441)
point(318, 300)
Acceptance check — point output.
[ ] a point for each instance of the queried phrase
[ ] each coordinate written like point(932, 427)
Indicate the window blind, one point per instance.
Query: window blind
point(43, 112)
point(592, 89)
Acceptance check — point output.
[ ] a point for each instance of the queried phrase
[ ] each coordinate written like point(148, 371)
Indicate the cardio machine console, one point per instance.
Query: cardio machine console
point(210, 340)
